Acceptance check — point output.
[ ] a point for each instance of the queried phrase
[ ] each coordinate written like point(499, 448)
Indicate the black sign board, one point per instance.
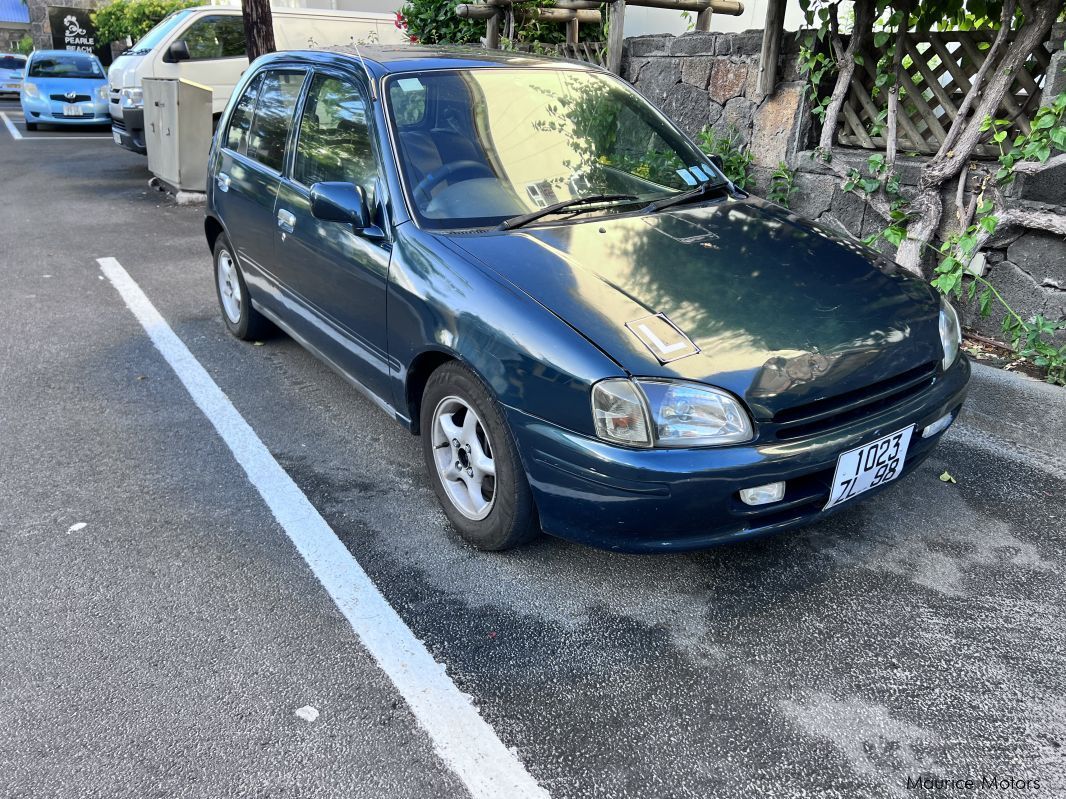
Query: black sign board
point(72, 29)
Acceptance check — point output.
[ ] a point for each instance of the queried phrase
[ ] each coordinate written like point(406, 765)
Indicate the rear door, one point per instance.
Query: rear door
point(250, 164)
point(339, 273)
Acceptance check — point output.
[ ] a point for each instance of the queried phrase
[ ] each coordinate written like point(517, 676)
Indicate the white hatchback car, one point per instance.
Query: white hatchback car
point(11, 69)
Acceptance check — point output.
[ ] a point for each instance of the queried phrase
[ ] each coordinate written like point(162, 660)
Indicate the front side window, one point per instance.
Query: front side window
point(334, 142)
point(478, 146)
point(66, 65)
point(240, 121)
point(269, 132)
point(215, 37)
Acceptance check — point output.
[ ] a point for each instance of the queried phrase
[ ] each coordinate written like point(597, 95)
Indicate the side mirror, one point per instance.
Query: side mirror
point(178, 51)
point(718, 163)
point(341, 202)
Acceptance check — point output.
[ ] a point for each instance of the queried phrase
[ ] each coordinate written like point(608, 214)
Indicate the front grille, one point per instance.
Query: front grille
point(825, 414)
point(78, 98)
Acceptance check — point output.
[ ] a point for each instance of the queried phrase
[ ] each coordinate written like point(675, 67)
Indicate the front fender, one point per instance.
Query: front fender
point(441, 303)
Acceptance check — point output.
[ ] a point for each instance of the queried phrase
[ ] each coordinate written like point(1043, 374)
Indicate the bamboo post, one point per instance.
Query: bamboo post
point(771, 46)
point(572, 31)
point(616, 35)
point(492, 32)
point(703, 19)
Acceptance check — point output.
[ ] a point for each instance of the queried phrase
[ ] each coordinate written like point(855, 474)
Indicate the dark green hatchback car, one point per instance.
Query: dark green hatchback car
point(595, 333)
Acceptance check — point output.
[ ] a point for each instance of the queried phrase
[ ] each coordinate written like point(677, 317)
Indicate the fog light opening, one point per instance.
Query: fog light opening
point(764, 494)
point(939, 425)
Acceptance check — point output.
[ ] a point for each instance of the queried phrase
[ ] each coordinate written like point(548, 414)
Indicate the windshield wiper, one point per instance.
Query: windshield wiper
point(523, 219)
point(697, 193)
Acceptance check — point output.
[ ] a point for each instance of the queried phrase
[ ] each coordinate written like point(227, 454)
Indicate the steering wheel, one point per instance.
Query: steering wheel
point(471, 169)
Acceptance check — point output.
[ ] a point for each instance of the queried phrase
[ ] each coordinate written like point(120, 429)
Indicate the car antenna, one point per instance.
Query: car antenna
point(369, 77)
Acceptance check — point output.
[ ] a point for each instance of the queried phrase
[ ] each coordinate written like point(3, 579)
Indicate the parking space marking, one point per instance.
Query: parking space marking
point(11, 127)
point(461, 737)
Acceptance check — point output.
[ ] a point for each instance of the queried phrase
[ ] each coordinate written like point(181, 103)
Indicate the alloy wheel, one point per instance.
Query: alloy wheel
point(463, 456)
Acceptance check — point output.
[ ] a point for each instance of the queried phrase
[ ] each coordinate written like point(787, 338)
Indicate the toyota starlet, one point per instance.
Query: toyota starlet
point(593, 331)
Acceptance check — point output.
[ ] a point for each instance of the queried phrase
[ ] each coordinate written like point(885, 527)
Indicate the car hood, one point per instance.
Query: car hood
point(782, 311)
point(122, 74)
point(64, 85)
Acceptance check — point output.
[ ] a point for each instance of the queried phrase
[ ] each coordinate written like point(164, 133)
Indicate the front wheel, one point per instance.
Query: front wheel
point(31, 126)
point(473, 462)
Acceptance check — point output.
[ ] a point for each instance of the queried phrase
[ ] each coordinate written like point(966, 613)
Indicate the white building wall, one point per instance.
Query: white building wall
point(641, 21)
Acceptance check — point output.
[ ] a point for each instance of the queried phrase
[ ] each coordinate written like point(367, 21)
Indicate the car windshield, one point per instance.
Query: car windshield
point(481, 146)
point(150, 40)
point(11, 62)
point(65, 65)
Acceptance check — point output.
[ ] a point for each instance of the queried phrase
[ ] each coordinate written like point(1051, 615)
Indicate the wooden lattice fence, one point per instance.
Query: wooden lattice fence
point(591, 52)
point(936, 75)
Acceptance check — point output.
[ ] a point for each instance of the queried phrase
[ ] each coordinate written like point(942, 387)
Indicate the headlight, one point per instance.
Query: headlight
point(667, 414)
point(131, 98)
point(31, 90)
point(101, 93)
point(950, 332)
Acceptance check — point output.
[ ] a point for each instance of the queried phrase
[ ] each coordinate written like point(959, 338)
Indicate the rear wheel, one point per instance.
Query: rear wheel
point(242, 320)
point(473, 462)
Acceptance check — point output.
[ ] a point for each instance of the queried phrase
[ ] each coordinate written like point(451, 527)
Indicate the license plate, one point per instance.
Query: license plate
point(869, 466)
point(116, 136)
point(12, 86)
point(71, 110)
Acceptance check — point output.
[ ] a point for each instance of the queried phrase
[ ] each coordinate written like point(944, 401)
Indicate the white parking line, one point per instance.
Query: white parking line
point(464, 740)
point(11, 127)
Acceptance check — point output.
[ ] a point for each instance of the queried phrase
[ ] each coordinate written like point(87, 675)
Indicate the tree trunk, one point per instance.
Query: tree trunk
point(928, 208)
point(864, 13)
point(893, 93)
point(258, 28)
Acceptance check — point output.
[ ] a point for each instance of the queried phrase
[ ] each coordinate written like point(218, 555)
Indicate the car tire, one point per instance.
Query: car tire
point(31, 126)
point(241, 319)
point(493, 512)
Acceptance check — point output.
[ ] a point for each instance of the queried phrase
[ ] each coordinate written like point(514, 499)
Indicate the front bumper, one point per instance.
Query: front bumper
point(128, 130)
point(50, 112)
point(663, 500)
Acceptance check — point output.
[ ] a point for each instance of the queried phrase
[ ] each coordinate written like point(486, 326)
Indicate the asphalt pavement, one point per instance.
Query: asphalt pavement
point(162, 631)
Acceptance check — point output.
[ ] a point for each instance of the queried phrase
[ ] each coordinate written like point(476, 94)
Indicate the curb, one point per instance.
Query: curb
point(1018, 411)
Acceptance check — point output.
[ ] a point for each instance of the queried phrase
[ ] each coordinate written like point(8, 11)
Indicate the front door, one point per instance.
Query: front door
point(338, 272)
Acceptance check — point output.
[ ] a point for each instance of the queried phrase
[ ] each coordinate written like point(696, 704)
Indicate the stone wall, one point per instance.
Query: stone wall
point(709, 80)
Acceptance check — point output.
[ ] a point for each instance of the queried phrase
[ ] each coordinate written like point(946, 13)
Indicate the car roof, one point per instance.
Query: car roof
point(382, 60)
point(62, 52)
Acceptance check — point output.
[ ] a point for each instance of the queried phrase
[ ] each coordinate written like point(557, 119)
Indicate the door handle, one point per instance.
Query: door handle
point(222, 181)
point(286, 220)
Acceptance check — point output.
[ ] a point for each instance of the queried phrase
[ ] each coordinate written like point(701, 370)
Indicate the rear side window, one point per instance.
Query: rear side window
point(215, 37)
point(274, 109)
point(240, 121)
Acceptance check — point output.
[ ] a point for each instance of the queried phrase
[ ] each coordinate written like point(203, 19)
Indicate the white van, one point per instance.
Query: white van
point(206, 45)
